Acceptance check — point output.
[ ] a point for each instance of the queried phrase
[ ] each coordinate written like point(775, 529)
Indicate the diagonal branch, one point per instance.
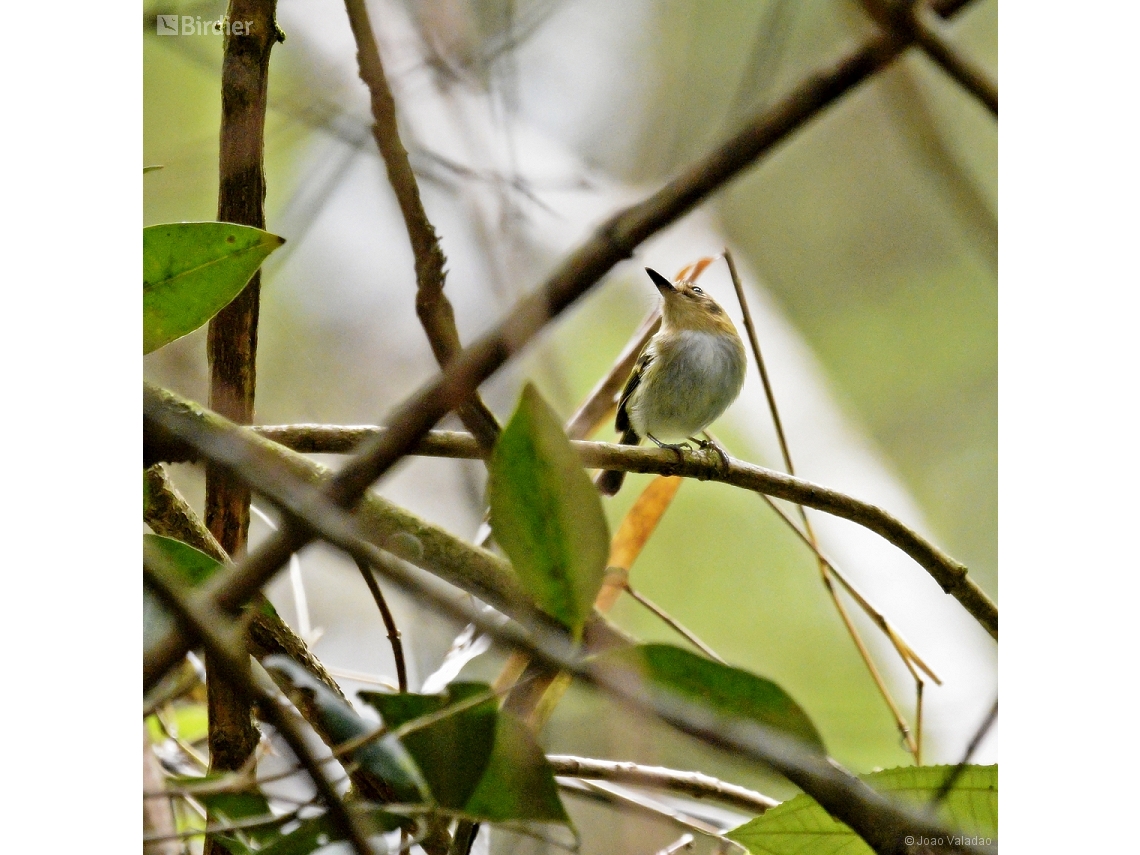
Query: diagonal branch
point(432, 306)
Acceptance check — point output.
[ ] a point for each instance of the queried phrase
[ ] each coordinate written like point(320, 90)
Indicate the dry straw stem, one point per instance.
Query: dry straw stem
point(693, 784)
point(950, 574)
point(432, 306)
point(614, 241)
point(881, 822)
point(225, 648)
point(912, 744)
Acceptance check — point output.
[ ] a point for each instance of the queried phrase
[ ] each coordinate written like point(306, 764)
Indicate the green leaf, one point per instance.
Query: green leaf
point(547, 515)
point(191, 566)
point(228, 807)
point(519, 783)
point(801, 827)
point(385, 757)
point(453, 752)
point(728, 691)
point(319, 831)
point(481, 762)
point(191, 271)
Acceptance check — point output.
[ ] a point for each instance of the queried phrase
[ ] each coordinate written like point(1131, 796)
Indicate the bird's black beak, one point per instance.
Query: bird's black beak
point(663, 284)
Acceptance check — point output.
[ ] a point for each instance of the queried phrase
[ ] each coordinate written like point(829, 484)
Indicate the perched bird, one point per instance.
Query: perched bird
point(686, 376)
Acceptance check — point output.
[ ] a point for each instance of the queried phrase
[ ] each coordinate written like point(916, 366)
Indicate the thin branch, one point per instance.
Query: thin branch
point(813, 543)
point(930, 35)
point(957, 771)
point(950, 574)
point(630, 800)
point(685, 841)
point(694, 784)
point(614, 241)
point(881, 822)
point(233, 663)
point(674, 624)
point(432, 306)
point(389, 624)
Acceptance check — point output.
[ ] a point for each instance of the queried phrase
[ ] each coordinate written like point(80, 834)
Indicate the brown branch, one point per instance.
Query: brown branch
point(389, 624)
point(919, 22)
point(225, 648)
point(231, 345)
point(614, 241)
point(950, 574)
point(882, 823)
point(158, 814)
point(695, 784)
point(930, 36)
point(432, 306)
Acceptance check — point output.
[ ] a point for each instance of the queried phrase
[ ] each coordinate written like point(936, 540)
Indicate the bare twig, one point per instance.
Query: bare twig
point(685, 841)
point(674, 624)
point(882, 823)
point(931, 37)
point(631, 800)
point(824, 566)
point(434, 309)
point(224, 645)
point(389, 623)
point(694, 784)
point(957, 771)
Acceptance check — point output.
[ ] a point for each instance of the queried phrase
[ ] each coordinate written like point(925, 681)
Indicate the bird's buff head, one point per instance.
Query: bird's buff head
point(685, 306)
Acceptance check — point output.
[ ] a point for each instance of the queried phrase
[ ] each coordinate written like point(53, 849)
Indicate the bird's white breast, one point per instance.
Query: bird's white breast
point(693, 378)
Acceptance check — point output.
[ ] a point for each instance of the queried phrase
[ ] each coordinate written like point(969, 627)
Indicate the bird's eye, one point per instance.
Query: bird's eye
point(697, 290)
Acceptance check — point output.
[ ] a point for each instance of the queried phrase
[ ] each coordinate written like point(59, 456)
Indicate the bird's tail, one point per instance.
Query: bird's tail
point(609, 481)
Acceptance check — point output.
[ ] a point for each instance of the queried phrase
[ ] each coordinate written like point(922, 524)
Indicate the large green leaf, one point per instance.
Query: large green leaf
point(547, 515)
point(801, 827)
point(726, 690)
point(191, 271)
point(480, 762)
point(385, 757)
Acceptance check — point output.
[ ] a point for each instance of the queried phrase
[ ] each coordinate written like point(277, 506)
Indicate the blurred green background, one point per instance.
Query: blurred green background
point(873, 230)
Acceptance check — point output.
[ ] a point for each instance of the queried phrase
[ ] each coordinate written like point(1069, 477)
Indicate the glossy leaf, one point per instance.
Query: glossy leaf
point(726, 690)
point(453, 752)
point(801, 827)
point(547, 515)
point(385, 757)
point(481, 762)
point(191, 271)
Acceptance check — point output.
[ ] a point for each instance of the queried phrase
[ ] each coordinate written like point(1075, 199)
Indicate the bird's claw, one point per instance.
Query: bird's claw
point(706, 444)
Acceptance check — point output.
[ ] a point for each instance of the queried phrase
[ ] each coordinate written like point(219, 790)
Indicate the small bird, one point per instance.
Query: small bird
point(684, 379)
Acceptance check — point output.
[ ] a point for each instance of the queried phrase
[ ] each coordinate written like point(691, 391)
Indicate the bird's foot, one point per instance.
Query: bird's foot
point(706, 444)
point(678, 448)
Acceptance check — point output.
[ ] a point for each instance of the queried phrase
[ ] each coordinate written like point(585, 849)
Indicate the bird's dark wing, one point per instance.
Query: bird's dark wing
point(622, 421)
